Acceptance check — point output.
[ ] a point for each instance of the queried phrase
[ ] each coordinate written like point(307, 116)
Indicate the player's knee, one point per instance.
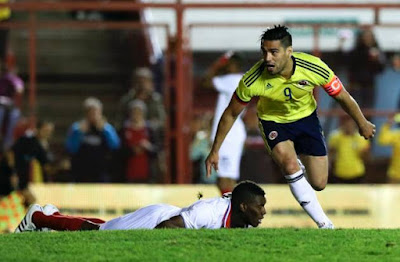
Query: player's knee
point(319, 186)
point(291, 166)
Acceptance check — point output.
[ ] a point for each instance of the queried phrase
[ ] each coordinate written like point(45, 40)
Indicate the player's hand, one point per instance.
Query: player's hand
point(367, 130)
point(100, 122)
point(84, 126)
point(145, 144)
point(212, 162)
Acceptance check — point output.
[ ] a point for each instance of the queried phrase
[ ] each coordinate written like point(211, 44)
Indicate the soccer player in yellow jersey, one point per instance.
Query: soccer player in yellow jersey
point(348, 150)
point(284, 81)
point(388, 136)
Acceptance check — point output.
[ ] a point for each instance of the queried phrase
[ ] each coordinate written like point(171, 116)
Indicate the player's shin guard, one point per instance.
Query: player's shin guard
point(305, 195)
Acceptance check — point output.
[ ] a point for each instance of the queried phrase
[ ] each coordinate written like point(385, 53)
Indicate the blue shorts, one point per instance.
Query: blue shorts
point(306, 134)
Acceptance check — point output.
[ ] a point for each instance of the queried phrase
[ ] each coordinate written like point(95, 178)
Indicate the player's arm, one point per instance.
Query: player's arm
point(229, 116)
point(216, 68)
point(173, 222)
point(335, 89)
point(347, 102)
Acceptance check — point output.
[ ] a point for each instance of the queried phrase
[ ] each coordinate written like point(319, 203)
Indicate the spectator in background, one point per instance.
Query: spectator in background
point(136, 140)
point(90, 142)
point(396, 69)
point(364, 61)
point(396, 62)
point(142, 88)
point(387, 98)
point(201, 126)
point(348, 150)
point(41, 173)
point(391, 137)
point(11, 201)
point(224, 75)
point(11, 88)
point(31, 147)
point(5, 14)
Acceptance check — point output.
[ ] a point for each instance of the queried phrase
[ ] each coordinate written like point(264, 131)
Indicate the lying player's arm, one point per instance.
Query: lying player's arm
point(173, 222)
point(347, 102)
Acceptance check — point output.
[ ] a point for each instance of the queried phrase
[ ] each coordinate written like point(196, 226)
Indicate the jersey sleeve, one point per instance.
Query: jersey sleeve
point(323, 75)
point(245, 90)
point(199, 215)
point(329, 81)
point(243, 94)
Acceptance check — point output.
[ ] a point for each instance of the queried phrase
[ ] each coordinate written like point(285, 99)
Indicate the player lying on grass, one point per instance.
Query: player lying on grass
point(242, 208)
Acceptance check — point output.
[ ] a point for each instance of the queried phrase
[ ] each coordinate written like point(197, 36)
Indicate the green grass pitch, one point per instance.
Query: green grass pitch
point(204, 245)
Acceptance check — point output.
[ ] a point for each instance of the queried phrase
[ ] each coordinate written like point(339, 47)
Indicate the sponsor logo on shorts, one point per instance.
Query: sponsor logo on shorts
point(272, 135)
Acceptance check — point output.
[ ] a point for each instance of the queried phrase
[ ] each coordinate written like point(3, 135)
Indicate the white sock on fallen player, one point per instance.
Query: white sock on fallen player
point(305, 195)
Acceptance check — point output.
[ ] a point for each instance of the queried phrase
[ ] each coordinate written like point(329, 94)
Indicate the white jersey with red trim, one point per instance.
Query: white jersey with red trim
point(226, 86)
point(231, 149)
point(206, 213)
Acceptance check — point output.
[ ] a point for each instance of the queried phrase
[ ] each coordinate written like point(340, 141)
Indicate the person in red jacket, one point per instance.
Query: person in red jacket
point(136, 141)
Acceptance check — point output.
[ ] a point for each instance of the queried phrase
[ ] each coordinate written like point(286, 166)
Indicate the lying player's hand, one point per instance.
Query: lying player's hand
point(367, 130)
point(212, 162)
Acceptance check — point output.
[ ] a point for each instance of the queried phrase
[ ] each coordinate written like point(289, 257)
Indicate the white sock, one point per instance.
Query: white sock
point(305, 195)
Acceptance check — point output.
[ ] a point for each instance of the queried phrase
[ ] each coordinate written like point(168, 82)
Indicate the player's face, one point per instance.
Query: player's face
point(46, 130)
point(276, 57)
point(94, 114)
point(254, 211)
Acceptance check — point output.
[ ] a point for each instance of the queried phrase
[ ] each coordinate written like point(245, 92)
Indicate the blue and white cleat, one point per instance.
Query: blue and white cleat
point(26, 224)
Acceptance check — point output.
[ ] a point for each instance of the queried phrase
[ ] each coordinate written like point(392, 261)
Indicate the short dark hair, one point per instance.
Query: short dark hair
point(245, 191)
point(278, 32)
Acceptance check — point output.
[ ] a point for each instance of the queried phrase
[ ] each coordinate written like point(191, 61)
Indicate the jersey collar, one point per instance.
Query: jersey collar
point(294, 65)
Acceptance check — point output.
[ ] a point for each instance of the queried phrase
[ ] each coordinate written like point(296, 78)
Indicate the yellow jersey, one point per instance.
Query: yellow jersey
point(287, 100)
point(391, 137)
point(348, 163)
point(5, 12)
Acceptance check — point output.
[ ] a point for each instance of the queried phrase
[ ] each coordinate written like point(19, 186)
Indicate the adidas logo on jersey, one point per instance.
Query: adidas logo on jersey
point(268, 86)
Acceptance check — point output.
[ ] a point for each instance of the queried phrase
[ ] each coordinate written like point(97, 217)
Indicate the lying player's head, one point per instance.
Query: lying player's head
point(276, 46)
point(249, 200)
